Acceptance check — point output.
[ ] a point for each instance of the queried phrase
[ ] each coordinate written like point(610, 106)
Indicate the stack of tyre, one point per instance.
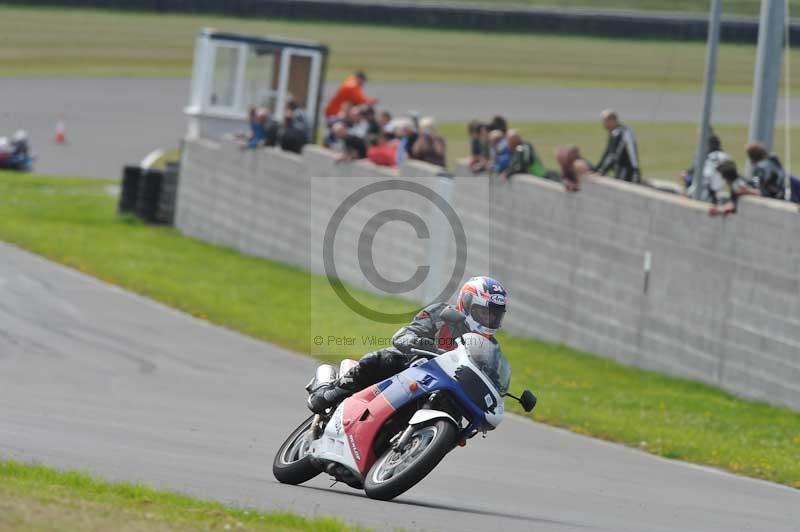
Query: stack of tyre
point(150, 193)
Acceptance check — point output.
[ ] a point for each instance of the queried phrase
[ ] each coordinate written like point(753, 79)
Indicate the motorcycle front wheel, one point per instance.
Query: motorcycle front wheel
point(395, 472)
point(292, 464)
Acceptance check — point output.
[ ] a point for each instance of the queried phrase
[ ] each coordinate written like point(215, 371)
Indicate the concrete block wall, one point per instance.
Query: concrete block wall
point(722, 304)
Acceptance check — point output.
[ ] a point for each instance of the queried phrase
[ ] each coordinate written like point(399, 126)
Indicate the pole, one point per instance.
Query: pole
point(714, 19)
point(767, 74)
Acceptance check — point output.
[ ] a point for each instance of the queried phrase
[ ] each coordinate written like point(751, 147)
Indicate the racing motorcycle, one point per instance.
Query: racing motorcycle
point(389, 436)
point(15, 152)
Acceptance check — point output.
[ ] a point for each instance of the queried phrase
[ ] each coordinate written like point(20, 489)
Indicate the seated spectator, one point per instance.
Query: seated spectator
point(767, 171)
point(407, 136)
point(429, 146)
point(349, 146)
point(498, 123)
point(385, 122)
point(263, 130)
point(351, 92)
point(573, 166)
point(368, 113)
point(478, 146)
point(299, 120)
point(499, 155)
point(710, 182)
point(356, 123)
point(382, 150)
point(737, 186)
point(292, 138)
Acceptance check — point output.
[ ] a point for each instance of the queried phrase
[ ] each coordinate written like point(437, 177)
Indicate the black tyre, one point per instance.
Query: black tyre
point(396, 472)
point(292, 465)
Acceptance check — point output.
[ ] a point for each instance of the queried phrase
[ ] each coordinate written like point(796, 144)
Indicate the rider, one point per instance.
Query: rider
point(482, 300)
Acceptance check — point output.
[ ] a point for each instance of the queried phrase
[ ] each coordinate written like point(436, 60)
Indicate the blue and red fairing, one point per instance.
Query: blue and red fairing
point(366, 412)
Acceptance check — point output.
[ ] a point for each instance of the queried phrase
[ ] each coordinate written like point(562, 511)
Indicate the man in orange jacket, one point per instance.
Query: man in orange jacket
point(351, 92)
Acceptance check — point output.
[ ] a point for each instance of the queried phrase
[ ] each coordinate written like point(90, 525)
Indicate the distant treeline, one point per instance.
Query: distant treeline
point(478, 17)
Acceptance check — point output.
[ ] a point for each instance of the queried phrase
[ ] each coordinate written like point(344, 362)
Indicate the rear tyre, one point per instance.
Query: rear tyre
point(292, 464)
point(395, 472)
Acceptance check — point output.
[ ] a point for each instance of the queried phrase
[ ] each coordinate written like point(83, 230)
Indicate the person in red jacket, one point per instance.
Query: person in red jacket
point(352, 92)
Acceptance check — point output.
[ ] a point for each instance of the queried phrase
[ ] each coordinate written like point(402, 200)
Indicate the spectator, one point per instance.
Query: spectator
point(573, 166)
point(351, 91)
point(382, 150)
point(349, 146)
point(767, 171)
point(710, 182)
point(292, 138)
point(499, 154)
point(478, 146)
point(429, 146)
point(356, 123)
point(385, 122)
point(498, 123)
point(368, 113)
point(621, 153)
point(299, 120)
point(687, 174)
point(263, 130)
point(407, 136)
point(737, 186)
point(523, 158)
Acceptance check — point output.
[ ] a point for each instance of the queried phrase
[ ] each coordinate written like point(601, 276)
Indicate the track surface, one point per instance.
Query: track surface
point(95, 378)
point(116, 121)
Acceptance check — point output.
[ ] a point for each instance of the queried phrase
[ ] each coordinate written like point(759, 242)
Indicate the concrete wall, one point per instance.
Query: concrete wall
point(723, 300)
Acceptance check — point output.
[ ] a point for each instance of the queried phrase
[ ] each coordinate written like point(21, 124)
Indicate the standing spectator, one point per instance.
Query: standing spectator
point(478, 146)
point(737, 186)
point(622, 154)
point(524, 159)
point(351, 91)
point(349, 146)
point(298, 118)
point(710, 182)
point(429, 146)
point(767, 171)
point(688, 174)
point(263, 129)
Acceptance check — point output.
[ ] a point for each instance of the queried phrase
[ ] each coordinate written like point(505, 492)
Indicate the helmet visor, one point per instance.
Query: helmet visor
point(491, 316)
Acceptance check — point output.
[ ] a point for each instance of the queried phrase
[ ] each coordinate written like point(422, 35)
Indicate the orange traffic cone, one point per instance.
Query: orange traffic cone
point(61, 132)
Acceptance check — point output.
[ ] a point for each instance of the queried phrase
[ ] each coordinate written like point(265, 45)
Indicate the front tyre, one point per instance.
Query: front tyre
point(395, 472)
point(292, 464)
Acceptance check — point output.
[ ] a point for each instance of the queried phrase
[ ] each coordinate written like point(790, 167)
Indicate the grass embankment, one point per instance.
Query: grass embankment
point(35, 498)
point(85, 42)
point(74, 222)
point(665, 149)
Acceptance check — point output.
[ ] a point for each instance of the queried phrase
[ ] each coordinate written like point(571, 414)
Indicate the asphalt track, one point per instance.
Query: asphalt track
point(116, 121)
point(95, 378)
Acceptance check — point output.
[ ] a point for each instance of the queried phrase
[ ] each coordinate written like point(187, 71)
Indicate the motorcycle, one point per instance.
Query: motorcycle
point(15, 152)
point(389, 436)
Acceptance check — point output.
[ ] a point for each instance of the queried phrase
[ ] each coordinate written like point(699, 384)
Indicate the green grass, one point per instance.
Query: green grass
point(36, 498)
point(73, 221)
point(83, 42)
point(665, 149)
point(729, 7)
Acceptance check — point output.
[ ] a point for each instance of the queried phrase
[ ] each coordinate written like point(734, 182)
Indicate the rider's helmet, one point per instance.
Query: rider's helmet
point(483, 300)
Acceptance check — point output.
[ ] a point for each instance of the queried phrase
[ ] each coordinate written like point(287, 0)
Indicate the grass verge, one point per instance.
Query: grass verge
point(665, 149)
point(73, 221)
point(36, 498)
point(88, 42)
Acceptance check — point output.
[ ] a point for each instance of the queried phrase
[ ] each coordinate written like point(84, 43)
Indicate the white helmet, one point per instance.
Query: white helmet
point(483, 300)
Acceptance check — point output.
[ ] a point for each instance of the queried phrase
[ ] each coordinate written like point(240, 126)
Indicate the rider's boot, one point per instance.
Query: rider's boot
point(328, 395)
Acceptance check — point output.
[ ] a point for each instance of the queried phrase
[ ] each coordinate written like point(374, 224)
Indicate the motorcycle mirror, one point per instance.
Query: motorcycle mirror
point(527, 400)
point(451, 315)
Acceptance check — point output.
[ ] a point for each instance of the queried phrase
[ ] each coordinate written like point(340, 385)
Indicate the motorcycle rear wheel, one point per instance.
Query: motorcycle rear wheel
point(396, 472)
point(292, 464)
